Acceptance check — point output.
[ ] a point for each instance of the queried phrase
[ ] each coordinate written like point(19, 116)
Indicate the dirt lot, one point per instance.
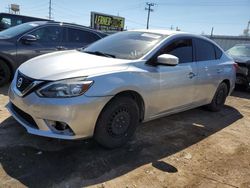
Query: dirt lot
point(190, 149)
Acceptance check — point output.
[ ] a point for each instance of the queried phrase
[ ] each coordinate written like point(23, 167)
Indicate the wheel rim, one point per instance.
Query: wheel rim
point(220, 99)
point(119, 123)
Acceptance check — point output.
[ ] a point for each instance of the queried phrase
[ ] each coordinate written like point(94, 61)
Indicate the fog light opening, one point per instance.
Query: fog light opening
point(60, 127)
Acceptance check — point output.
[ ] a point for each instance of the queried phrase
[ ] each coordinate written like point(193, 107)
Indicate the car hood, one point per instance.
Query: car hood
point(70, 64)
point(241, 59)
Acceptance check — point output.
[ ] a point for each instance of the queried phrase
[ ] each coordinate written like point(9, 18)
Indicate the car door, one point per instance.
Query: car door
point(177, 83)
point(209, 69)
point(78, 38)
point(48, 39)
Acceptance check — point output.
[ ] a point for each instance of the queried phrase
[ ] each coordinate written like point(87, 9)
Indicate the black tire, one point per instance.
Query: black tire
point(219, 98)
point(117, 122)
point(5, 73)
point(242, 83)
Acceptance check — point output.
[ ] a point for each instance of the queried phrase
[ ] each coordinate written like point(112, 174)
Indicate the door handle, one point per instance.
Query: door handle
point(61, 48)
point(191, 75)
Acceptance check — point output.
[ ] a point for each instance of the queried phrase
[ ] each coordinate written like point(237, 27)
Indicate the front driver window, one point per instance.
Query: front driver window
point(182, 49)
point(51, 34)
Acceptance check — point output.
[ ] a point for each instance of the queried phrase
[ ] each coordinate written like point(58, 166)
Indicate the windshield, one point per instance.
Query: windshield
point(125, 45)
point(16, 30)
point(240, 50)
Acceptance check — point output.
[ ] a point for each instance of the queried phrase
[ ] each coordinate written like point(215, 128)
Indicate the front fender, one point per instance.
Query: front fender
point(144, 83)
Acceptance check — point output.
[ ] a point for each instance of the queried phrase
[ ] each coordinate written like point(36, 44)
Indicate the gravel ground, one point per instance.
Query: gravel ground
point(195, 148)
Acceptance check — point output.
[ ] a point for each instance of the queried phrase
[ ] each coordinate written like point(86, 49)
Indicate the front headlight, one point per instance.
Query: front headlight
point(65, 88)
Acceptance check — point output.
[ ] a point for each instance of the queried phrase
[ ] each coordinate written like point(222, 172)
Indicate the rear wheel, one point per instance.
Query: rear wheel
point(219, 98)
point(5, 73)
point(117, 122)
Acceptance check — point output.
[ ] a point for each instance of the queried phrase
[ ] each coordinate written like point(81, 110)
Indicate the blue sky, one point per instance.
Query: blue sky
point(228, 17)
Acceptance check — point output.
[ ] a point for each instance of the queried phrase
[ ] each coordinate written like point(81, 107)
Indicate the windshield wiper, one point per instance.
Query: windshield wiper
point(100, 53)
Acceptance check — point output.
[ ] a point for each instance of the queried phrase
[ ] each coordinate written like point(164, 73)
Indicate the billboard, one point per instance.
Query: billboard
point(15, 7)
point(105, 22)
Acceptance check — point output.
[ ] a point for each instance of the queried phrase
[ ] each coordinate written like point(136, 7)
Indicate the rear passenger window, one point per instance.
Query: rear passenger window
point(204, 50)
point(81, 36)
point(218, 52)
point(182, 49)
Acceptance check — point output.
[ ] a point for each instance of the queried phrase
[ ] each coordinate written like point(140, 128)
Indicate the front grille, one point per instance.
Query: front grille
point(23, 82)
point(25, 116)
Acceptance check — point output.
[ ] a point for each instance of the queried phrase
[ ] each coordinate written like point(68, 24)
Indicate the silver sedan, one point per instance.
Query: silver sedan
point(105, 90)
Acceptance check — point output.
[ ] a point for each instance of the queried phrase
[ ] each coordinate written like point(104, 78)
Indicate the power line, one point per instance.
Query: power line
point(149, 9)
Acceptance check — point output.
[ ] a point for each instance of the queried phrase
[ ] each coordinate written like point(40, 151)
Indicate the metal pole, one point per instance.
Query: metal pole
point(212, 32)
point(50, 9)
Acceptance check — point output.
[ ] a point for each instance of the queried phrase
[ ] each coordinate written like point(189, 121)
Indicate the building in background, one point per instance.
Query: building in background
point(227, 42)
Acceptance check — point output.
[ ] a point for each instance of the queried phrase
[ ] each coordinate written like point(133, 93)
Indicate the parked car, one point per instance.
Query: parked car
point(241, 55)
point(28, 40)
point(105, 90)
point(8, 20)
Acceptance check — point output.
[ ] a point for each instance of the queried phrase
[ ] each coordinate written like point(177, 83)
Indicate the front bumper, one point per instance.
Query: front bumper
point(34, 113)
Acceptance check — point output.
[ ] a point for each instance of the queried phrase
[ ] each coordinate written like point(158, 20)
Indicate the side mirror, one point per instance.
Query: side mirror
point(168, 59)
point(27, 39)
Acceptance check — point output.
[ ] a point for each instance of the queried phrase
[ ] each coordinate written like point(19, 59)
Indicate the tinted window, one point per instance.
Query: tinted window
point(50, 34)
point(204, 50)
point(5, 23)
point(81, 36)
point(182, 49)
point(218, 52)
point(17, 30)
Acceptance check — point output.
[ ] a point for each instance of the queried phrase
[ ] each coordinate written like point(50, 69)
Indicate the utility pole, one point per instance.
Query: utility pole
point(246, 31)
point(212, 32)
point(50, 9)
point(149, 9)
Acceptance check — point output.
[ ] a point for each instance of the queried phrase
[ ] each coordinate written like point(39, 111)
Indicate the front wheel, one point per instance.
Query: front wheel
point(117, 122)
point(219, 98)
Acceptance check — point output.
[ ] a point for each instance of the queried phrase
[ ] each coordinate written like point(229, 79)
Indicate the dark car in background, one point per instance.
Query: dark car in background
point(241, 55)
point(8, 20)
point(23, 42)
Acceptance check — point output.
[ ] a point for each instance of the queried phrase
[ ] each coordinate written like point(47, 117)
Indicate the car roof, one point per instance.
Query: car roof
point(67, 24)
point(160, 31)
point(177, 33)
